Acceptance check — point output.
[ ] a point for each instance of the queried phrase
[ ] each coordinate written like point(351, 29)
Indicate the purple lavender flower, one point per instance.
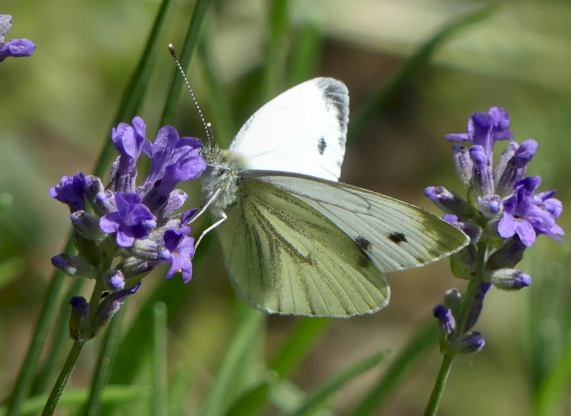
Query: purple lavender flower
point(173, 160)
point(179, 250)
point(70, 191)
point(527, 215)
point(129, 140)
point(109, 306)
point(131, 220)
point(469, 343)
point(484, 129)
point(512, 170)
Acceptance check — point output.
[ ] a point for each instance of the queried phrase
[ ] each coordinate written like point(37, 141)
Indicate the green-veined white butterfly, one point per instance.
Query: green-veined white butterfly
point(295, 240)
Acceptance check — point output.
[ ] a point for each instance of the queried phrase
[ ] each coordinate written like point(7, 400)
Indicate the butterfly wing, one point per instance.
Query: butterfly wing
point(302, 130)
point(5, 25)
point(394, 235)
point(285, 257)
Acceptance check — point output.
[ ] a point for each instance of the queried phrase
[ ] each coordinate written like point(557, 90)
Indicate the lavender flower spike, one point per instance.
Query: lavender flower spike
point(131, 220)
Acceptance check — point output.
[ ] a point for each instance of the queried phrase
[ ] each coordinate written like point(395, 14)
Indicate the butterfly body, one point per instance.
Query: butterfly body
point(295, 240)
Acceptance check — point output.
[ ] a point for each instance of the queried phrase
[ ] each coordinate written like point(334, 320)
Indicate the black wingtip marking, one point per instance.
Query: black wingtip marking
point(397, 238)
point(337, 95)
point(321, 145)
point(363, 243)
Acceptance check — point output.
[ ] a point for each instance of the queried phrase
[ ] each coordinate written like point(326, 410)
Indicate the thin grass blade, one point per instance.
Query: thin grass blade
point(160, 392)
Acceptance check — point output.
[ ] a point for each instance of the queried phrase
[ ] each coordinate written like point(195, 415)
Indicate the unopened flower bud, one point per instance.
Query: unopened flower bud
point(478, 305)
point(73, 265)
point(510, 279)
point(446, 320)
point(79, 309)
point(508, 255)
point(147, 249)
point(109, 307)
point(514, 169)
point(482, 178)
point(134, 266)
point(491, 206)
point(116, 280)
point(453, 300)
point(86, 225)
point(464, 165)
point(447, 201)
point(469, 343)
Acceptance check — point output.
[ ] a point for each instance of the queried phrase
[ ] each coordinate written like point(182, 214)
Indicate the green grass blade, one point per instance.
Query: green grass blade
point(276, 49)
point(218, 103)
point(104, 364)
point(411, 353)
point(74, 398)
point(303, 338)
point(554, 387)
point(178, 389)
point(55, 355)
point(160, 392)
point(136, 87)
point(233, 365)
point(306, 54)
point(382, 95)
point(330, 387)
point(250, 402)
point(133, 97)
point(190, 41)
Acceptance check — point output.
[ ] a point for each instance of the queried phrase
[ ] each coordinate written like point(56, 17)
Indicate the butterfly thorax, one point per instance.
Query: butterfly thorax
point(222, 175)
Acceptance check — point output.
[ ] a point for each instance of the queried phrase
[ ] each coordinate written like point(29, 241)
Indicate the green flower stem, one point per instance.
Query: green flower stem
point(73, 355)
point(63, 377)
point(448, 356)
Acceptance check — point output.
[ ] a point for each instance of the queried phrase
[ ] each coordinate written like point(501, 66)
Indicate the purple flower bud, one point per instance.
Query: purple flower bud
point(515, 167)
point(447, 201)
point(73, 265)
point(109, 306)
point(463, 163)
point(17, 48)
point(482, 178)
point(477, 305)
point(469, 343)
point(116, 280)
point(79, 310)
point(445, 318)
point(470, 229)
point(86, 225)
point(129, 140)
point(71, 191)
point(510, 279)
point(491, 206)
point(132, 219)
point(507, 255)
point(176, 200)
point(105, 202)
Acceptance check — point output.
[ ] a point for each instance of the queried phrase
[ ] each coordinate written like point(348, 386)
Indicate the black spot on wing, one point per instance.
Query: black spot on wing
point(321, 145)
point(336, 98)
point(397, 237)
point(363, 244)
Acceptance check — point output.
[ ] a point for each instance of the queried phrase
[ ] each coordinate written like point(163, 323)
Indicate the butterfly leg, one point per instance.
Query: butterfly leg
point(212, 227)
point(205, 206)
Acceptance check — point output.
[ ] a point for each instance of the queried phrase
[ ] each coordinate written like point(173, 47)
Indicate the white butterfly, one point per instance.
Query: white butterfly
point(295, 240)
point(5, 25)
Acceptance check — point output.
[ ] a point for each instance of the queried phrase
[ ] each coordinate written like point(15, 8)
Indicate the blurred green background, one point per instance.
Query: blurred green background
point(57, 108)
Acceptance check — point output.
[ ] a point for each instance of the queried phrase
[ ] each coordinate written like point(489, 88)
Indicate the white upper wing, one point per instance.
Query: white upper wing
point(302, 130)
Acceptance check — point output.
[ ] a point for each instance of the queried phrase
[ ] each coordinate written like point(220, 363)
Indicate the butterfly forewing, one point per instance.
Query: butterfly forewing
point(394, 235)
point(302, 130)
point(286, 257)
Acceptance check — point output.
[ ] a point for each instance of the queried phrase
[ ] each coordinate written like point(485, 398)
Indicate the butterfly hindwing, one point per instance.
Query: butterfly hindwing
point(302, 130)
point(394, 235)
point(285, 257)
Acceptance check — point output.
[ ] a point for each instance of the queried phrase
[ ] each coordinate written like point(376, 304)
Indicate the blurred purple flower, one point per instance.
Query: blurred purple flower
point(17, 48)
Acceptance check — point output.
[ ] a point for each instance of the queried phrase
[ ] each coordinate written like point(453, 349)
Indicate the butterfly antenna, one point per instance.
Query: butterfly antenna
point(207, 126)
